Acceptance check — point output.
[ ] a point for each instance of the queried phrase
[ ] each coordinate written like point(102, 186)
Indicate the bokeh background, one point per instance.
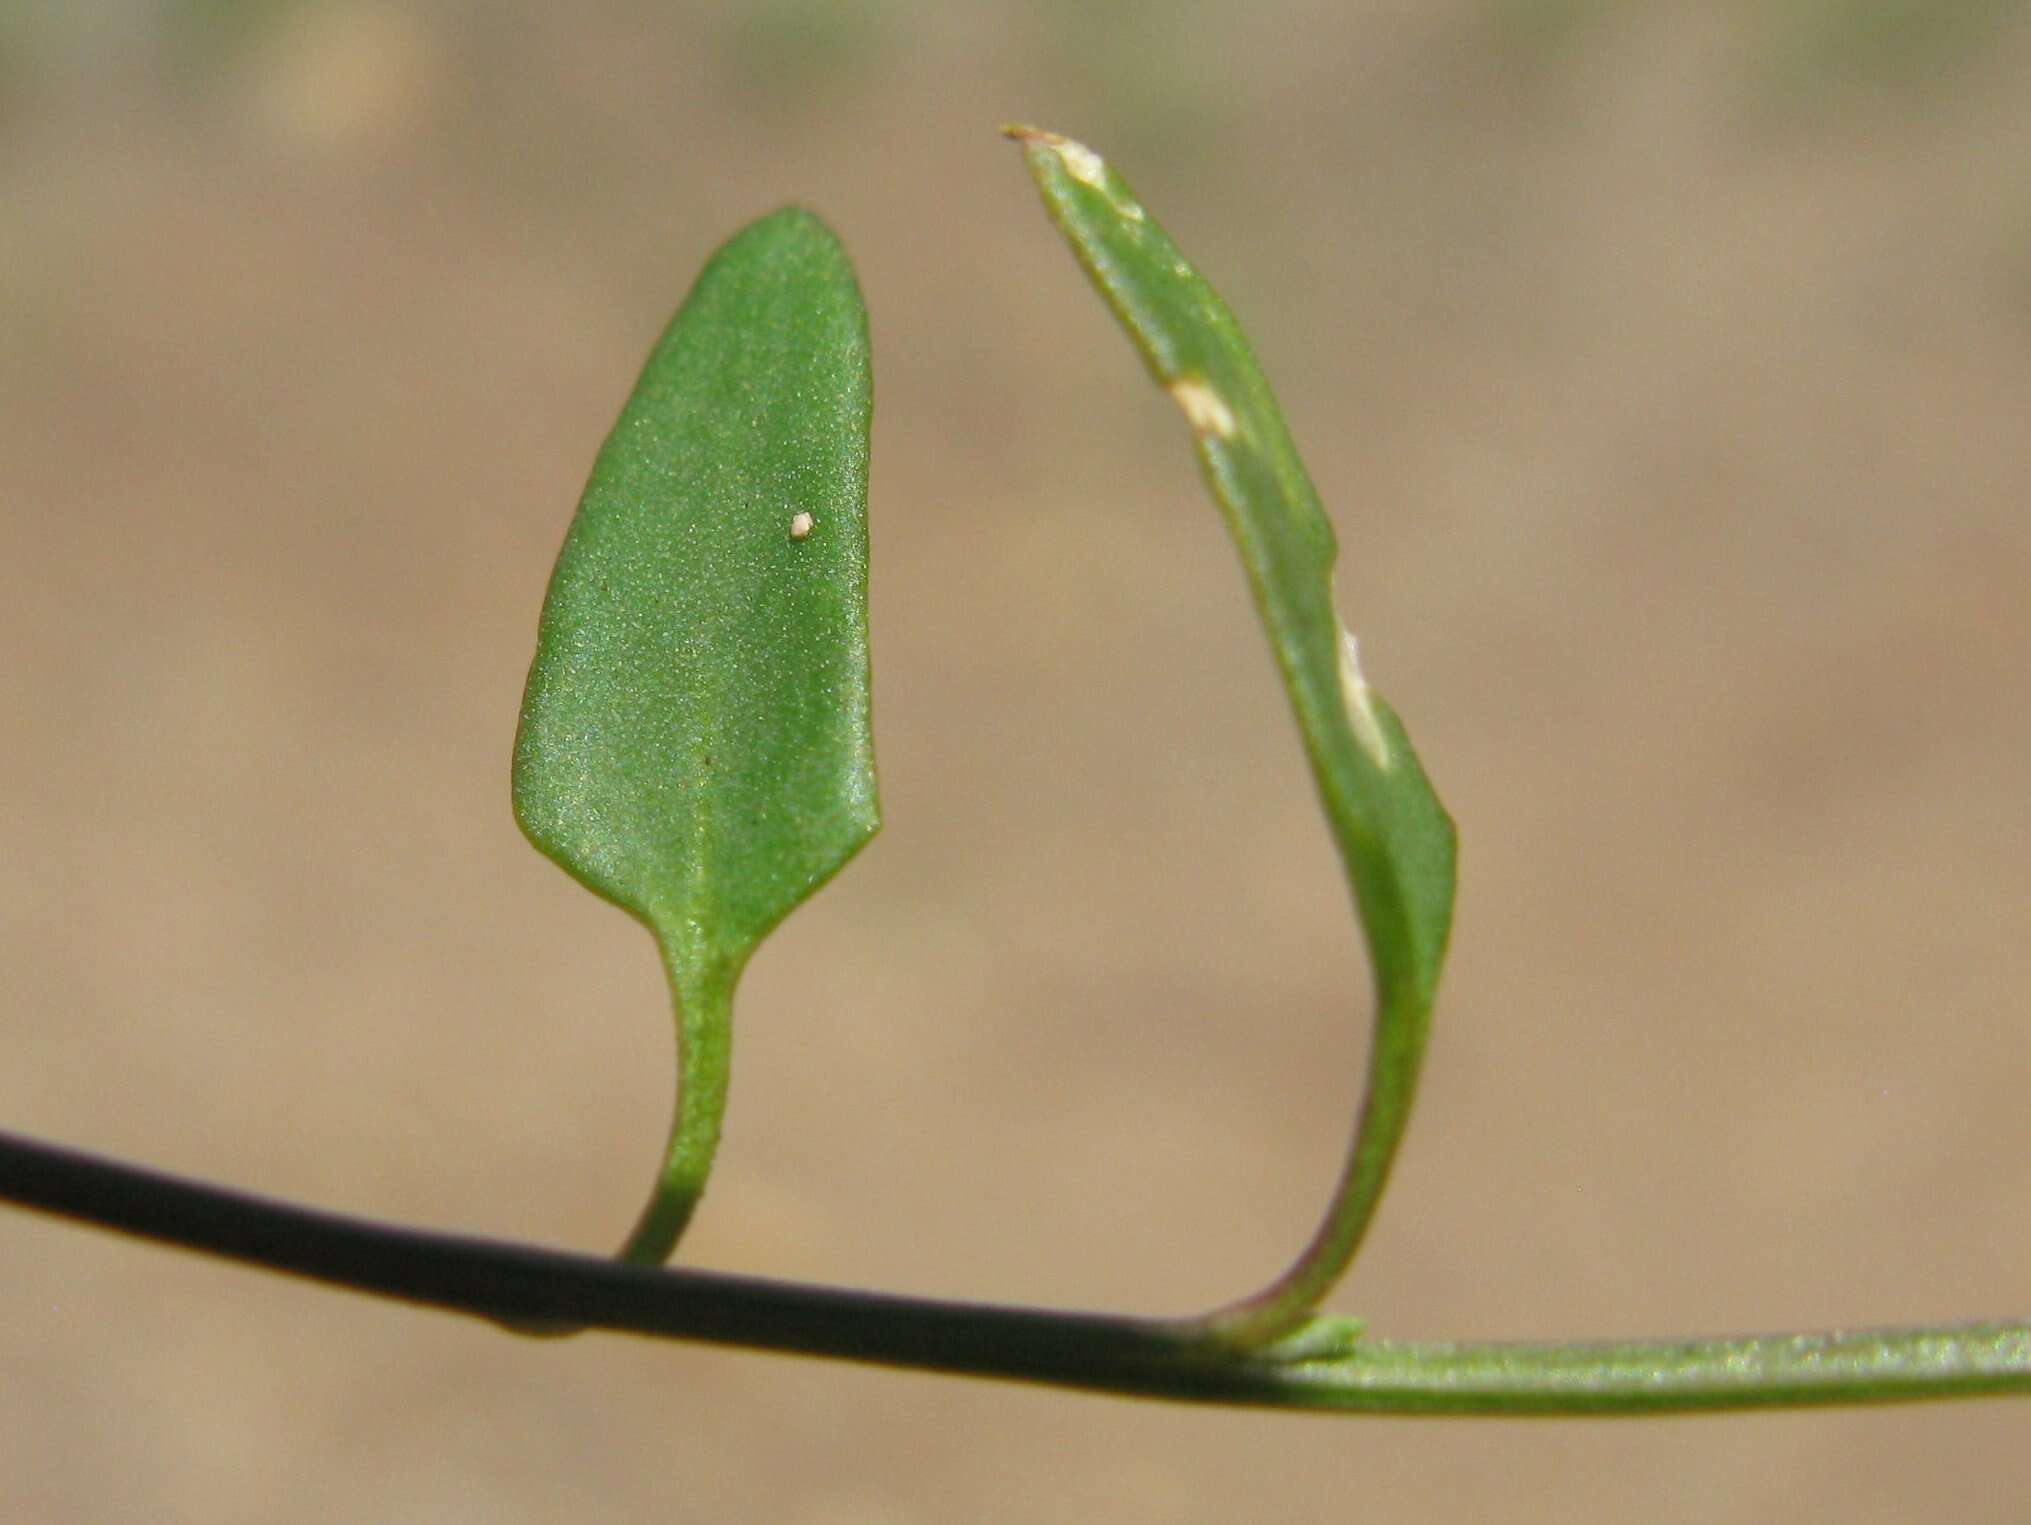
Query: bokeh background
point(1667, 370)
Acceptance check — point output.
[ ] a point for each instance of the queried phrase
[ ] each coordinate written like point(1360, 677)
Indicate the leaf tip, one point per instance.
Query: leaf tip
point(1081, 163)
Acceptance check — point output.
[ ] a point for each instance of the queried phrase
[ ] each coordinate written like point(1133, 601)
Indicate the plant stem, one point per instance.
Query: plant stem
point(1402, 1026)
point(702, 990)
point(701, 993)
point(1097, 1352)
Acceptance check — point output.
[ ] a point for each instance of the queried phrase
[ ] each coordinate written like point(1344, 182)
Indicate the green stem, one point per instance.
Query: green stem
point(702, 992)
point(1141, 1357)
point(1402, 1026)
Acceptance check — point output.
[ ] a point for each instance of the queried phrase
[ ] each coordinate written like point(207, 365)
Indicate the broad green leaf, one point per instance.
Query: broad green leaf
point(1395, 839)
point(695, 741)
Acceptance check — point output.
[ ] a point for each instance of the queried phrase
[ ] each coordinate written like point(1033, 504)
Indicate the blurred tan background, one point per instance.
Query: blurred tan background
point(1667, 369)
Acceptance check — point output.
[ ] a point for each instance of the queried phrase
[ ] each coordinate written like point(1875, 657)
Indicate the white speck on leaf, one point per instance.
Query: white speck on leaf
point(1081, 163)
point(1361, 701)
point(800, 526)
point(1205, 410)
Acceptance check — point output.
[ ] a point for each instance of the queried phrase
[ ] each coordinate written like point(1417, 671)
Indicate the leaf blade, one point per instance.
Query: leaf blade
point(688, 638)
point(1395, 840)
point(695, 741)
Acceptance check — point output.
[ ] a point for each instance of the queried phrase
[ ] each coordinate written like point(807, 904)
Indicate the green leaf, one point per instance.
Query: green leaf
point(695, 741)
point(1395, 839)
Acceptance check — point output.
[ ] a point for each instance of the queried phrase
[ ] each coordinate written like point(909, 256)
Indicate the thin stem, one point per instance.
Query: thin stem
point(1082, 1350)
point(703, 1005)
point(703, 1001)
point(1402, 1026)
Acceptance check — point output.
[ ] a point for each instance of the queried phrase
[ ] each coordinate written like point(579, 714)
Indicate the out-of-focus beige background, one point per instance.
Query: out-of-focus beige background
point(1667, 369)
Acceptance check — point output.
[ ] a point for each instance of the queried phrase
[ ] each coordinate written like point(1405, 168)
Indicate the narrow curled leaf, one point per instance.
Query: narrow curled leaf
point(1395, 839)
point(695, 742)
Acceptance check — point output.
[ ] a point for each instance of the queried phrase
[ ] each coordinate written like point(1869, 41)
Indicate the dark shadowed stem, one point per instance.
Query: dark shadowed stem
point(1143, 1357)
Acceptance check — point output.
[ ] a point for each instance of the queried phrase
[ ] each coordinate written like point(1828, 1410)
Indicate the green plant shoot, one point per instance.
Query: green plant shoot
point(1394, 838)
point(694, 746)
point(694, 741)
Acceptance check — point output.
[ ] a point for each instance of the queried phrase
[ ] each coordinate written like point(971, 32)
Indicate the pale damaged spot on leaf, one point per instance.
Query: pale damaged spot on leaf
point(800, 526)
point(1361, 701)
point(1081, 163)
point(1205, 409)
